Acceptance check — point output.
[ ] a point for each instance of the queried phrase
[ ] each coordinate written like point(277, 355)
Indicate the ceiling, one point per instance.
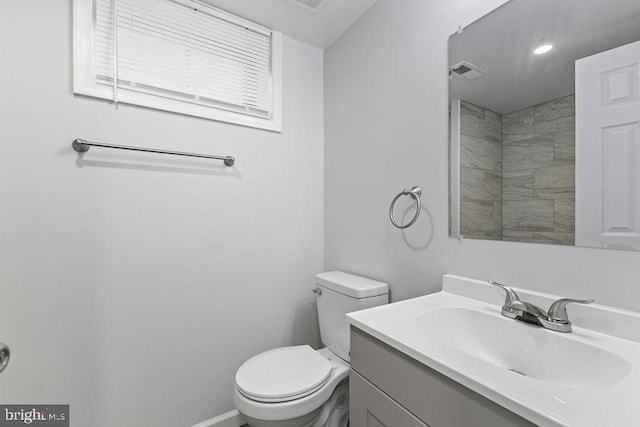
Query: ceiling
point(502, 44)
point(318, 27)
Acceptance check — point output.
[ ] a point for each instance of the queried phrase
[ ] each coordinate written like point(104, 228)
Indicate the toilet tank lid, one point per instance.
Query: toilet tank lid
point(351, 285)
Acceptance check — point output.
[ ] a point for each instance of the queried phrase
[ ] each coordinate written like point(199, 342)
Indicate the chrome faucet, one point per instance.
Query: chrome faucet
point(555, 319)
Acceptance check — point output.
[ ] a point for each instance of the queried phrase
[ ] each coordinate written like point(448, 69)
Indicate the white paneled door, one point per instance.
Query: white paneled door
point(608, 149)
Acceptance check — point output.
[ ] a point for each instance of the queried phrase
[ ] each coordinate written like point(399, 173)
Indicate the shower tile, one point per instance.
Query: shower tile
point(518, 125)
point(493, 126)
point(555, 193)
point(493, 186)
point(472, 120)
point(468, 108)
point(472, 184)
point(552, 110)
point(564, 215)
point(476, 216)
point(483, 235)
point(497, 217)
point(564, 148)
point(497, 158)
point(479, 153)
point(550, 127)
point(556, 182)
point(528, 215)
point(517, 236)
point(517, 185)
point(538, 183)
point(555, 116)
point(528, 154)
point(555, 238)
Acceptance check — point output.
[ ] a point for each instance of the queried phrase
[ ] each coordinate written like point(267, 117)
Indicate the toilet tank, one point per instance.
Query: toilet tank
point(339, 293)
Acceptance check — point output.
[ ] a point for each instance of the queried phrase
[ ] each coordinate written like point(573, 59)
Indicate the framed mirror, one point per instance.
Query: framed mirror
point(545, 124)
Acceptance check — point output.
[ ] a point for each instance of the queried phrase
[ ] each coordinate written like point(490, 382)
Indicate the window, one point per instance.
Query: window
point(181, 56)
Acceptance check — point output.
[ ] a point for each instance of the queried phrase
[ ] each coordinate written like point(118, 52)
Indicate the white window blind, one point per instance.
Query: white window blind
point(184, 56)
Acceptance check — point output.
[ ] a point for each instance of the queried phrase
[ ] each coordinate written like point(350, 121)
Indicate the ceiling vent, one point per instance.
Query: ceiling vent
point(311, 4)
point(468, 71)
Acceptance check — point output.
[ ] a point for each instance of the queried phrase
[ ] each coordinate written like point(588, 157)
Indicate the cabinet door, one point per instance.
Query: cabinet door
point(369, 407)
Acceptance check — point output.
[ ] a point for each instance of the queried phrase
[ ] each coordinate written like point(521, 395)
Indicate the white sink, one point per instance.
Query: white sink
point(583, 378)
point(521, 348)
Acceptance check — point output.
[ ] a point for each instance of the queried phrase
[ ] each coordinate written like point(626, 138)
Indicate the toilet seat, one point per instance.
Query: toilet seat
point(283, 374)
point(276, 412)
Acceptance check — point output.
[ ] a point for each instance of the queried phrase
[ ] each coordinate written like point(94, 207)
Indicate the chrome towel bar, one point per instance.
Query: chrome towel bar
point(82, 146)
point(415, 194)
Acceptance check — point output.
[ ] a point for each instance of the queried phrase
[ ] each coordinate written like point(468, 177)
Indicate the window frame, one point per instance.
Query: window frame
point(84, 82)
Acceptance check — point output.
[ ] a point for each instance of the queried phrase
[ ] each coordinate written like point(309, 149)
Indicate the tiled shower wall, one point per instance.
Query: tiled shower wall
point(538, 182)
point(517, 173)
point(480, 172)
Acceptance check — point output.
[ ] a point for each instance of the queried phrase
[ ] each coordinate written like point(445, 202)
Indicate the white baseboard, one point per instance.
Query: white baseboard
point(230, 419)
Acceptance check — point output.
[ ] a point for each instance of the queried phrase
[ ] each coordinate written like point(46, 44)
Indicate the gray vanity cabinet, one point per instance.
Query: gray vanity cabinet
point(370, 407)
point(390, 389)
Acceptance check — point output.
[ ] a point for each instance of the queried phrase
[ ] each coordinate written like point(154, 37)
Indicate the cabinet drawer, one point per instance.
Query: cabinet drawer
point(369, 407)
point(432, 397)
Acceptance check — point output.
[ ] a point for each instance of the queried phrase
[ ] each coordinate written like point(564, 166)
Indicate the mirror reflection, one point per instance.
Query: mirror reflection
point(544, 113)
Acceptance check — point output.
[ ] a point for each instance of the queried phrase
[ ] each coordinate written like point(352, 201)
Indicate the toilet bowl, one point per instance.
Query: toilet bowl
point(301, 387)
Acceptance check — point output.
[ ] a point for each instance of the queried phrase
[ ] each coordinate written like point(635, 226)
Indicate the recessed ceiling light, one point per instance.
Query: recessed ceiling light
point(543, 49)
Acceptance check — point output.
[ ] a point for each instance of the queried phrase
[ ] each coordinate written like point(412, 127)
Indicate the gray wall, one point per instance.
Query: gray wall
point(134, 286)
point(386, 128)
point(150, 285)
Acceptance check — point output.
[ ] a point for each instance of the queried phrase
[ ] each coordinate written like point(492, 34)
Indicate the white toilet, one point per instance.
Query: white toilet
point(301, 387)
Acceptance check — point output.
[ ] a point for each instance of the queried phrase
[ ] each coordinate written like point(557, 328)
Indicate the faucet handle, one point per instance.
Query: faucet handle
point(512, 296)
point(558, 310)
point(512, 307)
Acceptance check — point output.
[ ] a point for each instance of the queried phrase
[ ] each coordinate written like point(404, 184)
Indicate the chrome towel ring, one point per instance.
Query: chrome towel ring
point(415, 193)
point(4, 356)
